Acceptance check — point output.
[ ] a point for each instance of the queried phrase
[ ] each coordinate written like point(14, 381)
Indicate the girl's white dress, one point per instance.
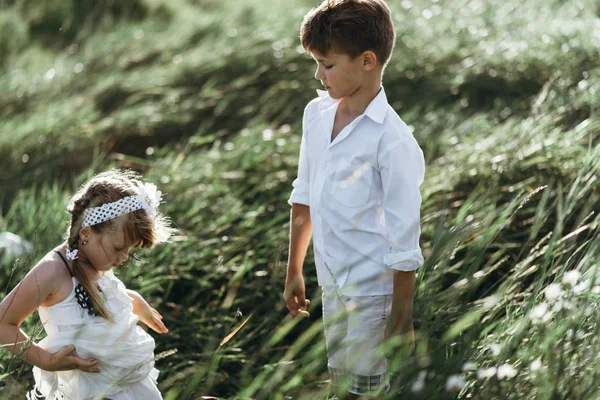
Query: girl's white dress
point(124, 350)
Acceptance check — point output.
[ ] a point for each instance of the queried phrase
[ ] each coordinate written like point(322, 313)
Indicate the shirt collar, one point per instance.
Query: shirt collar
point(378, 107)
point(326, 102)
point(376, 110)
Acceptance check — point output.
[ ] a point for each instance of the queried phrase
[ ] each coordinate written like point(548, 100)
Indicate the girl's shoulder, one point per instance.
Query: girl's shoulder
point(52, 274)
point(51, 263)
point(43, 285)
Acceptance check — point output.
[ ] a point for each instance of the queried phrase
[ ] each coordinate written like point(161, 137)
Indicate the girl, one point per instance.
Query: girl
point(94, 347)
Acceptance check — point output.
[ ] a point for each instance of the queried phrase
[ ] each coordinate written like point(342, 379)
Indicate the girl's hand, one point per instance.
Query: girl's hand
point(147, 314)
point(153, 319)
point(66, 359)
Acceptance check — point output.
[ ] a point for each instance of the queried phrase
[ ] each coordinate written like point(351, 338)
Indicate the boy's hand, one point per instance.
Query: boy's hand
point(66, 359)
point(405, 331)
point(294, 295)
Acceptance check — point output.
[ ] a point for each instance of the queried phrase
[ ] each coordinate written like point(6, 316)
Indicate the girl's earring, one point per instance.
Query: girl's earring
point(84, 242)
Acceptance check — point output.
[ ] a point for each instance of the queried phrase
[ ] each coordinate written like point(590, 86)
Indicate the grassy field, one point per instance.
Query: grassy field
point(205, 98)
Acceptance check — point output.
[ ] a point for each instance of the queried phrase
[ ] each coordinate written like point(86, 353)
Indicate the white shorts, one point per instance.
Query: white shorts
point(354, 331)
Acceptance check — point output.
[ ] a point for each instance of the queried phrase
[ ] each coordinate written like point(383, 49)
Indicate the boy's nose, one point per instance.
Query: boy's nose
point(319, 74)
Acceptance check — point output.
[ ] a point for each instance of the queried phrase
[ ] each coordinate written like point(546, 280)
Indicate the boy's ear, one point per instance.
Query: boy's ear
point(369, 60)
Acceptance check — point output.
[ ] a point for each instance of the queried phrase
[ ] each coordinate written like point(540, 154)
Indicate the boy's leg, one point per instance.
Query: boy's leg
point(365, 361)
point(335, 323)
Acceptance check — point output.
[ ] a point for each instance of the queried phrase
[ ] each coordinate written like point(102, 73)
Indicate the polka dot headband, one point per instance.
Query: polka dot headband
point(147, 198)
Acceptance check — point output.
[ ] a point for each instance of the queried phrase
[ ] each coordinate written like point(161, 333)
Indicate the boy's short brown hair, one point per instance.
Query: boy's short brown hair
point(351, 27)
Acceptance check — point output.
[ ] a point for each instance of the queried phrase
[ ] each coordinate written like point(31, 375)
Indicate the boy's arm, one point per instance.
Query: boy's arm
point(402, 169)
point(300, 231)
point(300, 234)
point(145, 313)
point(402, 303)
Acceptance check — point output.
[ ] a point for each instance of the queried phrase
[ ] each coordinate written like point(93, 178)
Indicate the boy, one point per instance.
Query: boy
point(357, 194)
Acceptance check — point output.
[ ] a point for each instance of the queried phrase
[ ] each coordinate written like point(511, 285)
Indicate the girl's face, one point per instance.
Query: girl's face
point(107, 249)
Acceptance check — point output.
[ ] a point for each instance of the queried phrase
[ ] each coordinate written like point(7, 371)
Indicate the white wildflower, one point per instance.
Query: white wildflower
point(547, 317)
point(469, 366)
point(495, 349)
point(461, 283)
point(559, 305)
point(267, 134)
point(455, 383)
point(553, 291)
point(589, 310)
point(486, 372)
point(419, 384)
point(538, 312)
point(536, 365)
point(490, 301)
point(581, 287)
point(50, 74)
point(506, 371)
point(571, 277)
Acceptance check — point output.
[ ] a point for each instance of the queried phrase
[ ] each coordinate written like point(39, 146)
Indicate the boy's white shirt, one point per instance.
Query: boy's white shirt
point(363, 194)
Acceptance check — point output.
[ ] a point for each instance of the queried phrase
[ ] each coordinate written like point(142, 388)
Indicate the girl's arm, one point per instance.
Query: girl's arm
point(24, 299)
point(145, 313)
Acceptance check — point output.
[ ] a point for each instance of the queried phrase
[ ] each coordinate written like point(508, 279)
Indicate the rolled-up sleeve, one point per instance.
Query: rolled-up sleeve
point(402, 169)
point(301, 192)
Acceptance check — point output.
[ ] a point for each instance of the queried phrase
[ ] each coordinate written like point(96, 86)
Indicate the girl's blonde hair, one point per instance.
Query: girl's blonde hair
point(139, 228)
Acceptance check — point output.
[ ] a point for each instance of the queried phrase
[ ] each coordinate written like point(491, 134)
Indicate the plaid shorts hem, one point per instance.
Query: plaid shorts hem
point(362, 385)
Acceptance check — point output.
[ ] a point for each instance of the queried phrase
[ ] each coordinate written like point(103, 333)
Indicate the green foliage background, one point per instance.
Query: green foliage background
point(205, 98)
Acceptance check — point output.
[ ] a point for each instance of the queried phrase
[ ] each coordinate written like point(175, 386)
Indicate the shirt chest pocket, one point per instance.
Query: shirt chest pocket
point(352, 182)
